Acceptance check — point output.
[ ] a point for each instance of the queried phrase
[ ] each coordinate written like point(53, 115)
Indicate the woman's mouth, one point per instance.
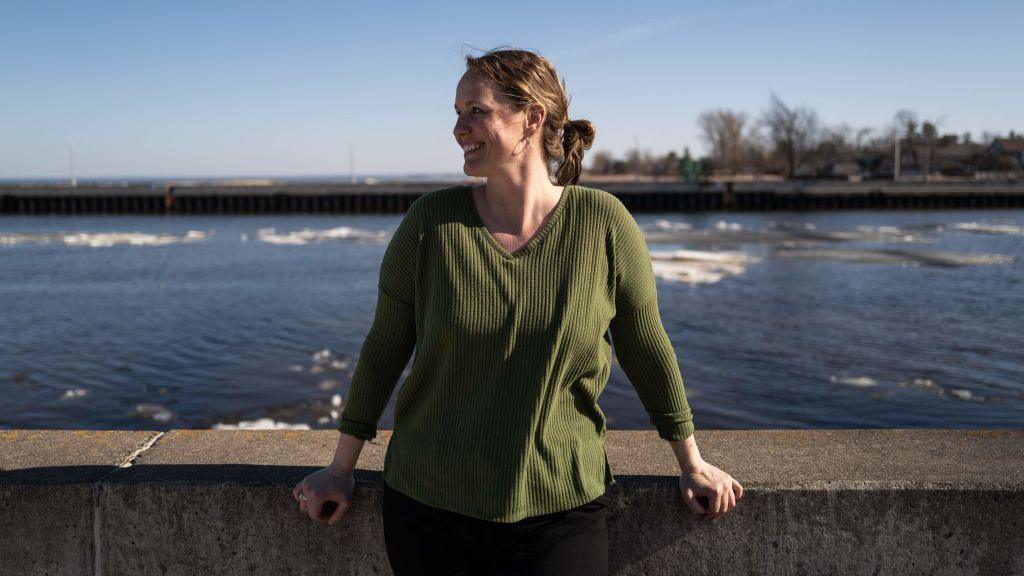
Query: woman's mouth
point(470, 148)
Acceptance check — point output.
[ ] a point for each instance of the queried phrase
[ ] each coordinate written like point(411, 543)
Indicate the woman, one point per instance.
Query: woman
point(507, 291)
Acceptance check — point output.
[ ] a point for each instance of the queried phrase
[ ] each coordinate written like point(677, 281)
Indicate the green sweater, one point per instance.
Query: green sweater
point(498, 417)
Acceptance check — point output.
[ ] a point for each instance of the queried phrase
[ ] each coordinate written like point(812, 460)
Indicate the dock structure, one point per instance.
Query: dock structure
point(395, 198)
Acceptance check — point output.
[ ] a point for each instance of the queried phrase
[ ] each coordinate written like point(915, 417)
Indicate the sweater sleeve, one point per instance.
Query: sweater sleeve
point(392, 336)
point(641, 344)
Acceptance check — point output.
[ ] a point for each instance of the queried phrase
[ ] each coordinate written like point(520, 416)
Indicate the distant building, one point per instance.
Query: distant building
point(1011, 148)
point(957, 158)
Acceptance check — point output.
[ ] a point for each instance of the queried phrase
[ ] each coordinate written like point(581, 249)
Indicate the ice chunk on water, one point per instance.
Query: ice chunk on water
point(858, 381)
point(154, 411)
point(261, 424)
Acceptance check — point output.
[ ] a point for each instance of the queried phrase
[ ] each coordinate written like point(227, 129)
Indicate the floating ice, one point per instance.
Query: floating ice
point(858, 381)
point(73, 393)
point(260, 424)
point(983, 228)
point(888, 256)
point(924, 383)
point(309, 236)
point(329, 384)
point(960, 394)
point(805, 225)
point(322, 357)
point(697, 266)
point(295, 368)
point(669, 225)
point(154, 411)
point(101, 239)
point(336, 400)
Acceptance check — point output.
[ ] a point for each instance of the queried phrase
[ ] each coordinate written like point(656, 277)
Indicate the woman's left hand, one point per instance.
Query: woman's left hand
point(720, 489)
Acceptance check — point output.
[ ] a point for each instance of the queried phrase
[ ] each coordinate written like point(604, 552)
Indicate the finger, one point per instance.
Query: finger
point(731, 500)
point(296, 490)
point(691, 501)
point(716, 508)
point(313, 508)
point(737, 488)
point(339, 513)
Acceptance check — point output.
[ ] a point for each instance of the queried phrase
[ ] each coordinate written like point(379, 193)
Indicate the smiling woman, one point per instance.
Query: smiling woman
point(497, 92)
point(508, 292)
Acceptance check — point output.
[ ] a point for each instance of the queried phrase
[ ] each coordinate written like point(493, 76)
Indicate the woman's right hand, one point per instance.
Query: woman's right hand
point(325, 489)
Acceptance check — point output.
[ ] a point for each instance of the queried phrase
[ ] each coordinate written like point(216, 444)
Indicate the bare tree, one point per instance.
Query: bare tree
point(836, 145)
point(602, 162)
point(906, 122)
point(638, 162)
point(723, 131)
point(862, 138)
point(793, 131)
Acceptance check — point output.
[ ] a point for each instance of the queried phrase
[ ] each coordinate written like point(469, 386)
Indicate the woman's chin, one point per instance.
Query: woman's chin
point(470, 169)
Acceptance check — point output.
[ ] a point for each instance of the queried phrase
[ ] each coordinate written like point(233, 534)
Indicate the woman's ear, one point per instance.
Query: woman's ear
point(535, 116)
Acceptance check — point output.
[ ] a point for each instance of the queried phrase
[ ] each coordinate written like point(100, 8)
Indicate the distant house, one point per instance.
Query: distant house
point(958, 158)
point(1011, 149)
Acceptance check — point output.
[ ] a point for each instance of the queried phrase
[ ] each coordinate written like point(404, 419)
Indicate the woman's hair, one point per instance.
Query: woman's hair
point(524, 78)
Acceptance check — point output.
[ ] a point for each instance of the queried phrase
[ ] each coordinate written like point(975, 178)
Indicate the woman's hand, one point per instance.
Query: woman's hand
point(328, 491)
point(720, 489)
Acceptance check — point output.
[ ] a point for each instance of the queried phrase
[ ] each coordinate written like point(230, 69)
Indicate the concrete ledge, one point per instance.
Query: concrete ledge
point(219, 502)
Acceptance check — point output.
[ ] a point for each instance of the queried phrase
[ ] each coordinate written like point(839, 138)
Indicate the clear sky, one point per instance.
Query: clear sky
point(256, 88)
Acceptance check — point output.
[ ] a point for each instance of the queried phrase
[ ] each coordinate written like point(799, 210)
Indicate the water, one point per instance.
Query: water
point(906, 319)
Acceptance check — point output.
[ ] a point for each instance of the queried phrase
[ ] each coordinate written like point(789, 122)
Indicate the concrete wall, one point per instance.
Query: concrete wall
point(219, 502)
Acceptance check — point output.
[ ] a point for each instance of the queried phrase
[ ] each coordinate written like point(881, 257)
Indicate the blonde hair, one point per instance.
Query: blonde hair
point(523, 78)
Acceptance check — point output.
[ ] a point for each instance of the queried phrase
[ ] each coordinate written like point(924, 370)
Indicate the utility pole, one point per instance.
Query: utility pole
point(71, 165)
point(351, 164)
point(896, 161)
point(636, 166)
point(927, 158)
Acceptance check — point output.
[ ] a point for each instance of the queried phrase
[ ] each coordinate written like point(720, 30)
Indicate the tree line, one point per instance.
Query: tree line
point(793, 142)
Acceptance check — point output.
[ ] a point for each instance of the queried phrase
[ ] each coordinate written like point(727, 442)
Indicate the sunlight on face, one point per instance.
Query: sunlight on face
point(487, 129)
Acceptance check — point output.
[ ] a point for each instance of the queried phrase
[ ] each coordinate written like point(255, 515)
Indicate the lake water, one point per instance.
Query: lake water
point(856, 319)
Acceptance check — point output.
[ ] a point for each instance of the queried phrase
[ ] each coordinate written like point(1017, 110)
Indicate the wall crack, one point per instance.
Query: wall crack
point(97, 488)
point(130, 459)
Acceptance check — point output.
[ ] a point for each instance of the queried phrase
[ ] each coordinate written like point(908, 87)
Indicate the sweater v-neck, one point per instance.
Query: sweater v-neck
point(532, 243)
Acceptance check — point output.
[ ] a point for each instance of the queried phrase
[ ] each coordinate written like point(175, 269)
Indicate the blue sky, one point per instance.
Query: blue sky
point(258, 88)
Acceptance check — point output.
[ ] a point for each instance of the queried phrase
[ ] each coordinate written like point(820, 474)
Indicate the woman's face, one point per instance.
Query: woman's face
point(488, 131)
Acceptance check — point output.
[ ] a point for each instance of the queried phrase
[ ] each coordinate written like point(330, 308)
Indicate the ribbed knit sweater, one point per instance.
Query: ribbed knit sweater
point(498, 417)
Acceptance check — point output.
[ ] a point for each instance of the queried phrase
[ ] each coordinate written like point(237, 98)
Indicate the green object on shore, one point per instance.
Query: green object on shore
point(690, 168)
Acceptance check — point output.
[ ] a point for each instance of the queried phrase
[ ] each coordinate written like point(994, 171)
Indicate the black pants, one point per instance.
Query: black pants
point(423, 540)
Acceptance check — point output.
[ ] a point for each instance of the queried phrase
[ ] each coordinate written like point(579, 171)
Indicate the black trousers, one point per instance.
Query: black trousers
point(423, 540)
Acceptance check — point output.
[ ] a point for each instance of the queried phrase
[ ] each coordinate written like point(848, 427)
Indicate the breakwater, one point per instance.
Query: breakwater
point(390, 198)
point(219, 502)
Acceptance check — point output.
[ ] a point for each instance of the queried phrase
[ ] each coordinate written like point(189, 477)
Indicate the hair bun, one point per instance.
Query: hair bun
point(581, 129)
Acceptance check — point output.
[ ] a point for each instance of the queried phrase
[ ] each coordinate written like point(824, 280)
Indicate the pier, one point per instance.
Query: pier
point(395, 198)
point(219, 502)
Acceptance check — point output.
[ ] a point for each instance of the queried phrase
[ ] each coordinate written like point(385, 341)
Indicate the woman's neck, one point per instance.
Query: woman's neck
point(518, 202)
